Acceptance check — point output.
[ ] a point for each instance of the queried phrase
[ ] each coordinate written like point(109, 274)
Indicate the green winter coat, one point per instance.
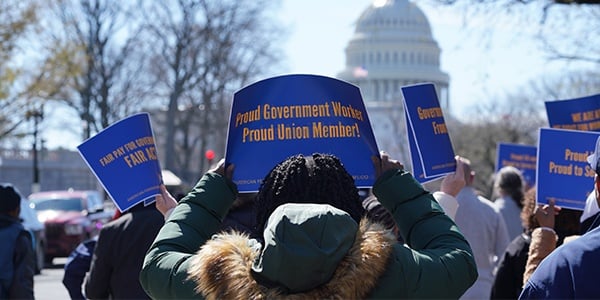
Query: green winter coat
point(312, 251)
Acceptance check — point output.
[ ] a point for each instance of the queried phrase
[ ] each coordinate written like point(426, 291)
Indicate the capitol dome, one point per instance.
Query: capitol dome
point(393, 46)
point(395, 19)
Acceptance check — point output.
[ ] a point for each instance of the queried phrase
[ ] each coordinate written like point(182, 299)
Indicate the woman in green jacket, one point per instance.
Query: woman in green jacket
point(315, 242)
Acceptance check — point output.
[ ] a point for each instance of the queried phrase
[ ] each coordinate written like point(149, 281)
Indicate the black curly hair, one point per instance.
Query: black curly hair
point(319, 178)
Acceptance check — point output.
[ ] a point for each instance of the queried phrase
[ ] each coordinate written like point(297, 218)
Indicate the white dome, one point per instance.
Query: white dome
point(392, 46)
point(398, 18)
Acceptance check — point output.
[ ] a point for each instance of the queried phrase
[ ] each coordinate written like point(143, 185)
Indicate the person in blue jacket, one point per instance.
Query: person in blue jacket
point(17, 262)
point(77, 266)
point(571, 270)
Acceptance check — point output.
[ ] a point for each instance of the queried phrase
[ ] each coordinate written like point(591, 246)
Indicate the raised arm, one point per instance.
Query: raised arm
point(193, 221)
point(543, 238)
point(451, 186)
point(438, 254)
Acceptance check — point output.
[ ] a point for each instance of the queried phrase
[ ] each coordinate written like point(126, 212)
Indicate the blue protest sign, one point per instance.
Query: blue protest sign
point(522, 157)
point(417, 165)
point(576, 114)
point(149, 201)
point(282, 116)
point(123, 157)
point(431, 149)
point(563, 173)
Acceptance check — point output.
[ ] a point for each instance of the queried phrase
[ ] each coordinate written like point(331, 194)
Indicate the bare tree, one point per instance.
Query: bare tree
point(513, 2)
point(202, 51)
point(566, 30)
point(16, 20)
point(514, 118)
point(90, 64)
point(574, 36)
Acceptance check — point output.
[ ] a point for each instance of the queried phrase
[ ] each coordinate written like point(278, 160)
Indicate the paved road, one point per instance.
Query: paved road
point(48, 285)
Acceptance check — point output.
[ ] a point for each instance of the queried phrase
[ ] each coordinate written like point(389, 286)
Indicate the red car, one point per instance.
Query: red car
point(69, 217)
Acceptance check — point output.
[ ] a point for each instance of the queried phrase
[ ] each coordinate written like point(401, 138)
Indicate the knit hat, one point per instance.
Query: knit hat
point(9, 198)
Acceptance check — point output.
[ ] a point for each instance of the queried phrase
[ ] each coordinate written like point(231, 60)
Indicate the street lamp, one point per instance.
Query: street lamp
point(37, 115)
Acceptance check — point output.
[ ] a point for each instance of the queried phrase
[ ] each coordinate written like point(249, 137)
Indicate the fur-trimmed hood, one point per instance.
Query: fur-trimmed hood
point(231, 266)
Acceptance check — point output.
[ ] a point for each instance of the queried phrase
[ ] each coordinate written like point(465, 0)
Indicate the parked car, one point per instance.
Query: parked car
point(38, 233)
point(69, 218)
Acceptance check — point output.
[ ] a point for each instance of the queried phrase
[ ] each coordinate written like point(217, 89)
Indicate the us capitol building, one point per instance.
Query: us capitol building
point(392, 46)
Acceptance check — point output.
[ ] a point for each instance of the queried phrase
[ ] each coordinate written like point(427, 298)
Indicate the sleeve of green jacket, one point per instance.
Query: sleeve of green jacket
point(438, 262)
point(194, 220)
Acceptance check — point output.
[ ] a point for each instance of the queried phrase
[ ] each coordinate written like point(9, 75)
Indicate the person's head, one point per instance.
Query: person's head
point(318, 178)
point(528, 211)
point(509, 182)
point(10, 201)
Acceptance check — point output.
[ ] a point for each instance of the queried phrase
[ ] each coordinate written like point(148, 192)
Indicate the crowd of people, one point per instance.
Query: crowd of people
point(309, 232)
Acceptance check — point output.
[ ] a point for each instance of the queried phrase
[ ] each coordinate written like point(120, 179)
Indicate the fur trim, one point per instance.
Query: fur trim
point(222, 268)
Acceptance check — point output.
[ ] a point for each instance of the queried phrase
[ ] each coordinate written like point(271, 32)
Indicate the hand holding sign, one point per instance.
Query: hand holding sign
point(383, 164)
point(279, 117)
point(165, 202)
point(431, 150)
point(563, 173)
point(220, 169)
point(545, 214)
point(454, 182)
point(125, 150)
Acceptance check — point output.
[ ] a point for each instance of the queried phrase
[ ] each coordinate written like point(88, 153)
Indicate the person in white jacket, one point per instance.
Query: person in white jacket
point(483, 226)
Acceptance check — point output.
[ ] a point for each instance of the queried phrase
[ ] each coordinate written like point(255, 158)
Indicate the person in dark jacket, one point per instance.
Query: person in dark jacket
point(17, 261)
point(512, 272)
point(570, 271)
point(315, 242)
point(119, 253)
point(77, 266)
point(508, 281)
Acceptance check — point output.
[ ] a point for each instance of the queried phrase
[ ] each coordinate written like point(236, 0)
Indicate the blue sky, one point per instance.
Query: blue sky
point(320, 30)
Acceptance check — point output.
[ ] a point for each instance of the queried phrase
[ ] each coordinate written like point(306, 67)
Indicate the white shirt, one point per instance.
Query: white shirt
point(447, 202)
point(483, 226)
